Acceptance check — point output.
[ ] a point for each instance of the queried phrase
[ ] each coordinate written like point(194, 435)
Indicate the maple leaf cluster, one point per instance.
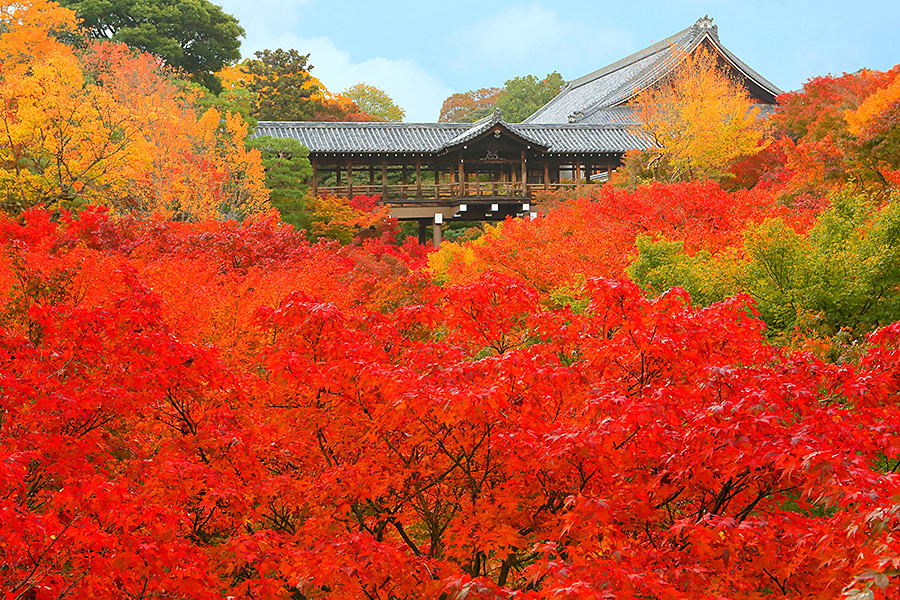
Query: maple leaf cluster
point(223, 409)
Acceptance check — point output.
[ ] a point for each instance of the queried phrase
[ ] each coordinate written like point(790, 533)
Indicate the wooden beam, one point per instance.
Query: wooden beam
point(436, 235)
point(546, 173)
point(403, 180)
point(315, 176)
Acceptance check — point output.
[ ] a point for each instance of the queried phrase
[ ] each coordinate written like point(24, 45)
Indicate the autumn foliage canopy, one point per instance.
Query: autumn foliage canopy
point(222, 409)
point(672, 392)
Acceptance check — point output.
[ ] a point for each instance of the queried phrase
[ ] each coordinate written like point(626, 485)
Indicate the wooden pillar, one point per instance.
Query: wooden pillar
point(384, 185)
point(371, 174)
point(524, 175)
point(419, 178)
point(423, 231)
point(315, 176)
point(436, 235)
point(588, 171)
point(546, 174)
point(577, 174)
point(403, 193)
point(462, 176)
point(349, 177)
point(437, 182)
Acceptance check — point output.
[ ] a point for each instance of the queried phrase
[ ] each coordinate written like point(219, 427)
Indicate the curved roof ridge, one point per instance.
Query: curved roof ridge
point(631, 59)
point(747, 69)
point(477, 128)
point(620, 82)
point(644, 79)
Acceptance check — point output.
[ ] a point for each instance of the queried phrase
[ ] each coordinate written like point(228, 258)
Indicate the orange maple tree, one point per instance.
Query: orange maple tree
point(109, 126)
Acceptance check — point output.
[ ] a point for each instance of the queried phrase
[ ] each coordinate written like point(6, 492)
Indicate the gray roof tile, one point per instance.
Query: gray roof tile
point(429, 138)
point(623, 80)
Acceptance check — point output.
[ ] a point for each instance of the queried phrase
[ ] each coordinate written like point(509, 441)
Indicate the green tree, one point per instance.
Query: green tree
point(287, 166)
point(192, 35)
point(470, 106)
point(517, 100)
point(375, 102)
point(523, 96)
point(843, 274)
point(282, 86)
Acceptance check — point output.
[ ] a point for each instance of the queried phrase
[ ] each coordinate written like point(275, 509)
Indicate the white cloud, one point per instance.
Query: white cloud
point(414, 89)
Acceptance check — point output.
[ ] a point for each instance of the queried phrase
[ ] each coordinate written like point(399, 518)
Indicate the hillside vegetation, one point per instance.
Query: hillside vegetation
point(683, 390)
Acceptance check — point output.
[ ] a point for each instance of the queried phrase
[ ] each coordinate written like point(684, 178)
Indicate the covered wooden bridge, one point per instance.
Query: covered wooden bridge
point(490, 169)
point(436, 172)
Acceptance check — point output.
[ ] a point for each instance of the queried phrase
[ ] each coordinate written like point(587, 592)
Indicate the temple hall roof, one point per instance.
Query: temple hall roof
point(591, 115)
point(589, 99)
point(435, 138)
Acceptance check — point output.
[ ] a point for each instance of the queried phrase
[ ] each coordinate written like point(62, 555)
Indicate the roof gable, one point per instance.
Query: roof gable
point(621, 81)
point(484, 126)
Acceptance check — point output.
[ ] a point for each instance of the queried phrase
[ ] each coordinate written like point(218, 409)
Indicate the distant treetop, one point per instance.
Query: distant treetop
point(517, 100)
point(192, 35)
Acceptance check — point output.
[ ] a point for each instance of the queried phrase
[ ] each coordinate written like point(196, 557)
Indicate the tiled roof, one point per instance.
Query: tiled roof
point(612, 86)
point(428, 138)
point(365, 137)
point(481, 126)
point(590, 115)
point(584, 137)
point(617, 115)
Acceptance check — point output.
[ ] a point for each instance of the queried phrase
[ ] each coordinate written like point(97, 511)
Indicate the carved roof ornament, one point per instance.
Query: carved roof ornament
point(706, 24)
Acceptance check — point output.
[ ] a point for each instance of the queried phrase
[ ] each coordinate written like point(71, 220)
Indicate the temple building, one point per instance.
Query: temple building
point(490, 169)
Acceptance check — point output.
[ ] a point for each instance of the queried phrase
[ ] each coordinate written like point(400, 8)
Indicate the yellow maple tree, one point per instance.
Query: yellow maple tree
point(65, 139)
point(699, 120)
point(110, 126)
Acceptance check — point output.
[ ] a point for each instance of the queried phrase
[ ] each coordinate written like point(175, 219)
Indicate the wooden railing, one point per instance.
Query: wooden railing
point(443, 191)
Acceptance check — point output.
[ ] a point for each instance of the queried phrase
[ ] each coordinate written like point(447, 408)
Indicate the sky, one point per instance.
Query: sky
point(422, 52)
